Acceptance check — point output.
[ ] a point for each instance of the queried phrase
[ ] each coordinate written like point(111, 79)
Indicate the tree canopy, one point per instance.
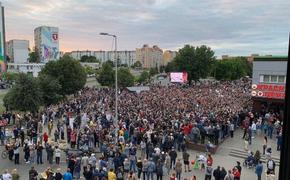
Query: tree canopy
point(106, 75)
point(196, 61)
point(33, 57)
point(144, 77)
point(89, 59)
point(125, 78)
point(137, 64)
point(68, 72)
point(25, 95)
point(232, 69)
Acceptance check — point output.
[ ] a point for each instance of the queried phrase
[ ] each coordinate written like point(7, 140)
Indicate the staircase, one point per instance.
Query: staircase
point(240, 153)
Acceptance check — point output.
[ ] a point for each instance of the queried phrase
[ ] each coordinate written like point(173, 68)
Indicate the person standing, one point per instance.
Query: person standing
point(217, 173)
point(151, 169)
point(279, 141)
point(112, 175)
point(49, 127)
point(139, 167)
point(57, 153)
point(178, 169)
point(16, 153)
point(173, 156)
point(67, 175)
point(265, 144)
point(229, 176)
point(185, 156)
point(208, 172)
point(145, 169)
point(223, 173)
point(232, 128)
point(259, 170)
point(33, 174)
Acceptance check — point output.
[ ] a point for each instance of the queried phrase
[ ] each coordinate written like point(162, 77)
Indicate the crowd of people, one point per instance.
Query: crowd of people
point(143, 142)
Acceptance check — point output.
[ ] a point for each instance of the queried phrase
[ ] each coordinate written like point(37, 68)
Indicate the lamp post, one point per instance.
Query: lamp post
point(116, 73)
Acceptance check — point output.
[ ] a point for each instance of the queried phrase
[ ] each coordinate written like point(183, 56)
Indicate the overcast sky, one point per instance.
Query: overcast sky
point(228, 26)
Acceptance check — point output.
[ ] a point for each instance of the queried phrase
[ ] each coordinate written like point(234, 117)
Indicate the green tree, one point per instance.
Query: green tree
point(25, 95)
point(137, 64)
point(153, 71)
point(196, 61)
point(89, 59)
point(106, 75)
point(144, 77)
point(125, 78)
point(69, 73)
point(89, 70)
point(232, 69)
point(33, 57)
point(51, 89)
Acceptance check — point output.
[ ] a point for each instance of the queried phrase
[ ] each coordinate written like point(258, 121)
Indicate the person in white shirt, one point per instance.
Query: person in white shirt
point(57, 153)
point(6, 175)
point(254, 129)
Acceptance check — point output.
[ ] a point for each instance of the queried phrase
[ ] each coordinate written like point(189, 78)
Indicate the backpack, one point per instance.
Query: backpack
point(119, 175)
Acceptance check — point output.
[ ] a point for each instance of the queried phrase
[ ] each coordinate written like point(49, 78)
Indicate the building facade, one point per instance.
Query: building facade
point(47, 43)
point(18, 50)
point(168, 56)
point(125, 57)
point(268, 82)
point(150, 57)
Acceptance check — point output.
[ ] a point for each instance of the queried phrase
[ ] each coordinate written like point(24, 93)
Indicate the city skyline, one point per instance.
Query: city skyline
point(239, 28)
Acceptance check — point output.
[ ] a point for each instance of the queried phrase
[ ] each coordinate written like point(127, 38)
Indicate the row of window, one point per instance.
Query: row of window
point(280, 79)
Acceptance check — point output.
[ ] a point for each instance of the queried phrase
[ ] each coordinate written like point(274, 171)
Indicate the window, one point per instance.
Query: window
point(274, 79)
point(266, 78)
point(281, 79)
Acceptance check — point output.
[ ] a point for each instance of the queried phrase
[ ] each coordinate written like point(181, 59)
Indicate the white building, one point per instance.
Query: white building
point(47, 43)
point(27, 68)
point(17, 50)
point(125, 57)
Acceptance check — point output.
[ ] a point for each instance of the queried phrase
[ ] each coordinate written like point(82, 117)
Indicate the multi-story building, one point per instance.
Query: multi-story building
point(168, 56)
point(150, 57)
point(124, 57)
point(17, 50)
point(47, 43)
point(268, 82)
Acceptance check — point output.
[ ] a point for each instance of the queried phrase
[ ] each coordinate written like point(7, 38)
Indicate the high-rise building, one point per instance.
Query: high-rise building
point(47, 43)
point(17, 50)
point(168, 56)
point(2, 39)
point(150, 57)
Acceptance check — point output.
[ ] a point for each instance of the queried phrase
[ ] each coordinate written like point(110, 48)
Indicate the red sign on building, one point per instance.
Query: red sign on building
point(272, 91)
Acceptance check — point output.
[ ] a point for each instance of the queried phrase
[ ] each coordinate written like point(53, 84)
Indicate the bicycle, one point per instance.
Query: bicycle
point(4, 154)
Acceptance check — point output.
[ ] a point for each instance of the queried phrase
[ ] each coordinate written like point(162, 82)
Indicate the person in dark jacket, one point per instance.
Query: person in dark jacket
point(173, 156)
point(217, 173)
point(223, 173)
point(159, 170)
point(88, 173)
point(58, 175)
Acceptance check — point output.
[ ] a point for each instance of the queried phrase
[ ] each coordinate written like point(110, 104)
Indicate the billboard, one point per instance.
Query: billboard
point(48, 38)
point(178, 77)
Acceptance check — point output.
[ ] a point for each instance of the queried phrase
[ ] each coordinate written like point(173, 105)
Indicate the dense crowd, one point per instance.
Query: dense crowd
point(152, 127)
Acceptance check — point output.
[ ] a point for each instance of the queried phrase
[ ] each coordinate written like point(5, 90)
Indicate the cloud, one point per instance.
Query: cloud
point(228, 26)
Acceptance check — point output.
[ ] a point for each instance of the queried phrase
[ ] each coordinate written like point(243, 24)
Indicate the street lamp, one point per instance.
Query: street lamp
point(116, 72)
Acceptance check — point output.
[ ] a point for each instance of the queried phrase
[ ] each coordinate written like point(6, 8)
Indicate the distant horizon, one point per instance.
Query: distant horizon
point(169, 24)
